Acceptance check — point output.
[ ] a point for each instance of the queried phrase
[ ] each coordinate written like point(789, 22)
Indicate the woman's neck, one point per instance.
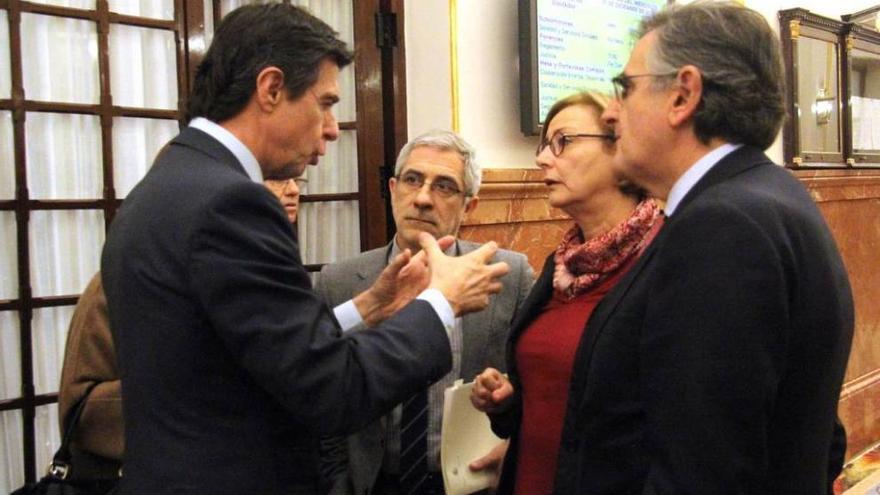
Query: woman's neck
point(603, 215)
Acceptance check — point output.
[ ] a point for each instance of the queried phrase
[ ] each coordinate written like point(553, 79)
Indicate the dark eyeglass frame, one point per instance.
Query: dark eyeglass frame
point(413, 181)
point(622, 82)
point(559, 140)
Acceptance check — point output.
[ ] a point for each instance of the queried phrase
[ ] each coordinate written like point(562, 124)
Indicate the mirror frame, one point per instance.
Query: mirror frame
point(795, 24)
point(867, 18)
point(855, 36)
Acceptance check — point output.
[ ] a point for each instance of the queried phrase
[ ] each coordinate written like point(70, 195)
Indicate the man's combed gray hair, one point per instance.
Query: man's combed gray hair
point(738, 56)
point(446, 141)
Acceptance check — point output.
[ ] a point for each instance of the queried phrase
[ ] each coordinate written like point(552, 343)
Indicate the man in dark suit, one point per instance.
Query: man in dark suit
point(436, 181)
point(715, 365)
point(231, 366)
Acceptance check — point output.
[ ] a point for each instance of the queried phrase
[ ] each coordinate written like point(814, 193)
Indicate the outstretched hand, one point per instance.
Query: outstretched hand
point(466, 281)
point(405, 277)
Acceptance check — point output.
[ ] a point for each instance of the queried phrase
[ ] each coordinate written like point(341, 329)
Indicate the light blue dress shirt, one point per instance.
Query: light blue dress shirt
point(696, 172)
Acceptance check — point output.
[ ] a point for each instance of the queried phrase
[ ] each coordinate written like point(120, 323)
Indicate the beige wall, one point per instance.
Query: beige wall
point(488, 73)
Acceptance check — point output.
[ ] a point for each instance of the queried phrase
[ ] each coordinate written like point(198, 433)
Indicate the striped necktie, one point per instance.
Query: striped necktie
point(414, 443)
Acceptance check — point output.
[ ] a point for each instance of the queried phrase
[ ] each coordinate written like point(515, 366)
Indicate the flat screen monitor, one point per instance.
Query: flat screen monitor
point(573, 45)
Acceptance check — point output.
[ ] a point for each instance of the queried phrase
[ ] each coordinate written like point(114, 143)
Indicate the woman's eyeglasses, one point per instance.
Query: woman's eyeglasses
point(559, 140)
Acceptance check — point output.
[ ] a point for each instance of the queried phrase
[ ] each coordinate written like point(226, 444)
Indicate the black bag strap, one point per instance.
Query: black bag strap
point(60, 465)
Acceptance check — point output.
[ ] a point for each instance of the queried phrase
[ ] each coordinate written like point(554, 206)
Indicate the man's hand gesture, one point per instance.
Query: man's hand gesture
point(466, 281)
point(405, 277)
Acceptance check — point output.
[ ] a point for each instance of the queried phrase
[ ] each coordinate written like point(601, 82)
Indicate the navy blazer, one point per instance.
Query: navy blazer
point(715, 364)
point(231, 366)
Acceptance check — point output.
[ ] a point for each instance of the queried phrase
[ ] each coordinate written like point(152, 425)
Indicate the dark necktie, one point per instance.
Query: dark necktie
point(414, 443)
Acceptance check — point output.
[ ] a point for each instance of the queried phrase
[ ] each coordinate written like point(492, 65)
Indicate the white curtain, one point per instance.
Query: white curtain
point(143, 73)
point(62, 59)
point(8, 255)
point(143, 69)
point(78, 4)
point(135, 143)
point(335, 173)
point(11, 447)
point(63, 153)
point(8, 258)
point(12, 467)
point(5, 65)
point(157, 9)
point(64, 161)
point(65, 250)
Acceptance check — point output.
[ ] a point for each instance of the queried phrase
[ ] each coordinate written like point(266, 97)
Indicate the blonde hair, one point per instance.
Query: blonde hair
point(599, 101)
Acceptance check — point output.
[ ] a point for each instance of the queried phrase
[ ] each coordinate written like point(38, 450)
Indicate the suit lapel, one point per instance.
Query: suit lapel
point(369, 268)
point(476, 328)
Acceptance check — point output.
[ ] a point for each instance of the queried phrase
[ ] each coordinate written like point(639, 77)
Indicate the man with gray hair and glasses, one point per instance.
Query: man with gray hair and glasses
point(435, 183)
point(715, 365)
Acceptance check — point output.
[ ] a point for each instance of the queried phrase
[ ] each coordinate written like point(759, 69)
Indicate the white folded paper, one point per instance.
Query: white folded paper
point(465, 437)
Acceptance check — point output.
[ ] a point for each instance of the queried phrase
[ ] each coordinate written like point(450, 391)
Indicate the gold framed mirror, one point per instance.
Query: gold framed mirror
point(811, 46)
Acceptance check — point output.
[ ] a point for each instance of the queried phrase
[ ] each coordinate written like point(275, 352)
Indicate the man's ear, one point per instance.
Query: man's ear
point(687, 96)
point(392, 185)
point(270, 88)
point(471, 204)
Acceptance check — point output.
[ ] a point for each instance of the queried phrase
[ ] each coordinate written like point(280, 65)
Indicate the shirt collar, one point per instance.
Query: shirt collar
point(236, 147)
point(693, 175)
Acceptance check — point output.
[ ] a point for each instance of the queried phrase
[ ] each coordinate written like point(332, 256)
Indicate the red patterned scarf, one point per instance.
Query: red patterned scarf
point(581, 265)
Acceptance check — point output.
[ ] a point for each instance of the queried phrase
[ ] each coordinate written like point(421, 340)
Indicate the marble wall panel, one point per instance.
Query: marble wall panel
point(850, 203)
point(513, 211)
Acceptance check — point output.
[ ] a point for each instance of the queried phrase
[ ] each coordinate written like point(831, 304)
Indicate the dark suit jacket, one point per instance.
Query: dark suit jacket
point(231, 366)
point(715, 365)
point(354, 463)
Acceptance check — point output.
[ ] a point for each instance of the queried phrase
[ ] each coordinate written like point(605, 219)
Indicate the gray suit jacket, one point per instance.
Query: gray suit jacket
point(353, 468)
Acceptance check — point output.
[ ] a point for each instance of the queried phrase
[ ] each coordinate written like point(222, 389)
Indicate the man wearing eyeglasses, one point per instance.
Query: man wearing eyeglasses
point(435, 184)
point(715, 365)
